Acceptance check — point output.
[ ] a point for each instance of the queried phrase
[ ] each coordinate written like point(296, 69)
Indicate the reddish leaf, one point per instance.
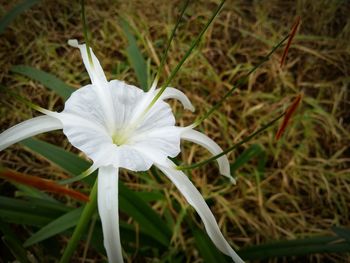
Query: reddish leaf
point(288, 115)
point(41, 184)
point(291, 36)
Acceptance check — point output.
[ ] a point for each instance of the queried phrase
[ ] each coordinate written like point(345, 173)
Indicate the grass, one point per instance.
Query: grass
point(305, 187)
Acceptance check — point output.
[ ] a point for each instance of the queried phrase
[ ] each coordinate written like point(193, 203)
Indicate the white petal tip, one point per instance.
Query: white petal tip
point(190, 108)
point(232, 180)
point(73, 43)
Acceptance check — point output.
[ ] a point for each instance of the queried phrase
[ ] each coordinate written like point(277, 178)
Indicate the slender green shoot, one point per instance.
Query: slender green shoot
point(161, 66)
point(78, 177)
point(240, 82)
point(188, 53)
point(88, 212)
point(248, 138)
point(26, 102)
point(85, 29)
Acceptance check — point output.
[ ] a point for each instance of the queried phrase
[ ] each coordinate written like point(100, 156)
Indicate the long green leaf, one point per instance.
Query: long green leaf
point(48, 80)
point(13, 243)
point(14, 12)
point(57, 226)
point(298, 247)
point(130, 203)
point(135, 56)
point(243, 158)
point(205, 246)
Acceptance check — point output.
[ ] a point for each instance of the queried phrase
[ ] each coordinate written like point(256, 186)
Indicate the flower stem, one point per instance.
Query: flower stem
point(240, 82)
point(248, 138)
point(188, 53)
point(161, 66)
point(85, 29)
point(84, 220)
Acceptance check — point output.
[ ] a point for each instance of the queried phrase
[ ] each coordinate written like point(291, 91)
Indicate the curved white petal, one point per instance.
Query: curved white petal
point(28, 129)
point(213, 148)
point(172, 93)
point(195, 199)
point(108, 209)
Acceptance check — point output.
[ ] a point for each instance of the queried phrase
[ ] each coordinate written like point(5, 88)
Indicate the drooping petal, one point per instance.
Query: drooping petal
point(172, 93)
point(107, 200)
point(195, 199)
point(28, 129)
point(211, 146)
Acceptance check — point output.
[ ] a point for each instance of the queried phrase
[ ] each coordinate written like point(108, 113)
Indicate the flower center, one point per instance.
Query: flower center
point(120, 137)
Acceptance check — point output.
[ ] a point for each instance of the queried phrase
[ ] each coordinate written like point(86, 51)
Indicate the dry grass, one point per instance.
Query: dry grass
point(306, 185)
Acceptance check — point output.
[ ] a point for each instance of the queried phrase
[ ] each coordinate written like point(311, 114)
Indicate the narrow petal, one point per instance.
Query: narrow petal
point(95, 70)
point(195, 199)
point(28, 129)
point(172, 93)
point(99, 83)
point(108, 210)
point(203, 140)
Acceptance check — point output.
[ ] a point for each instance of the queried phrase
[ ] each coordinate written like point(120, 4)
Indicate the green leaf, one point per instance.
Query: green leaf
point(342, 232)
point(205, 246)
point(14, 12)
point(12, 242)
point(57, 226)
point(135, 56)
point(25, 218)
point(130, 202)
point(48, 80)
point(297, 247)
point(247, 155)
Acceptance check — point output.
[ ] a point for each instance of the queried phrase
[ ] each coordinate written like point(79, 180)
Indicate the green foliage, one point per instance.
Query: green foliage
point(14, 12)
point(135, 56)
point(47, 79)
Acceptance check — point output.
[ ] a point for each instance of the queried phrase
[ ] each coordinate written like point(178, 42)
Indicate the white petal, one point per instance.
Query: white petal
point(172, 93)
point(99, 84)
point(213, 148)
point(28, 129)
point(108, 209)
point(195, 199)
point(95, 71)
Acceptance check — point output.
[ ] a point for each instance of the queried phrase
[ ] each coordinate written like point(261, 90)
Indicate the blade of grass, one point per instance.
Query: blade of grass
point(298, 247)
point(14, 12)
point(135, 56)
point(185, 57)
point(245, 157)
point(248, 138)
point(48, 80)
point(12, 242)
point(55, 227)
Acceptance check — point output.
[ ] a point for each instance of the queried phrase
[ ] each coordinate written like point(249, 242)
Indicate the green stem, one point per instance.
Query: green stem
point(188, 53)
point(85, 29)
point(240, 82)
point(161, 66)
point(248, 138)
point(84, 220)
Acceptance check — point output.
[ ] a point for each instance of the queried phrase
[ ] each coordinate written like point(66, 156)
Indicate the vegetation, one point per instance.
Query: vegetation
point(288, 189)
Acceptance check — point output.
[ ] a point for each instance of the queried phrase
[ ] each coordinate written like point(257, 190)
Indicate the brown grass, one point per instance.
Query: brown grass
point(306, 186)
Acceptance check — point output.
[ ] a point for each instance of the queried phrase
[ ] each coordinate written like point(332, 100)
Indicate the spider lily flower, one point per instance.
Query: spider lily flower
point(110, 122)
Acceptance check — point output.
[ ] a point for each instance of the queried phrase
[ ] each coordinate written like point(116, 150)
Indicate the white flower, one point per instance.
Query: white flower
point(111, 123)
